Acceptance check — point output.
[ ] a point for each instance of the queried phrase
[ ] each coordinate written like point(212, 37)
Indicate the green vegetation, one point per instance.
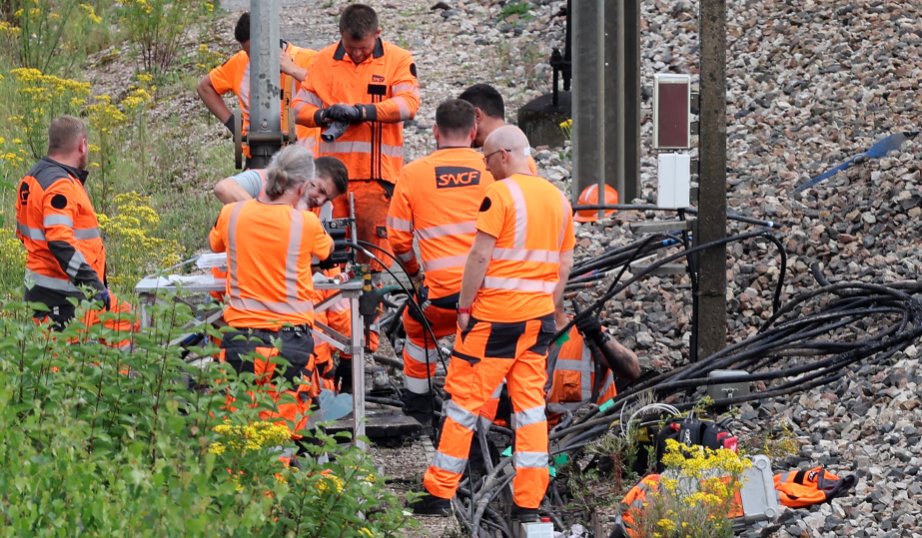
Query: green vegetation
point(514, 8)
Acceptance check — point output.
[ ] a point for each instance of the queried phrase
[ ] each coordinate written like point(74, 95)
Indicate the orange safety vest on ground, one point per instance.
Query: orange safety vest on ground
point(633, 504)
point(234, 76)
point(438, 198)
point(56, 222)
point(269, 249)
point(797, 489)
point(371, 150)
point(571, 373)
point(533, 223)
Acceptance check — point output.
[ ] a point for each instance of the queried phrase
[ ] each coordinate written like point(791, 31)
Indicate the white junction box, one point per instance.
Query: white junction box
point(673, 185)
point(535, 530)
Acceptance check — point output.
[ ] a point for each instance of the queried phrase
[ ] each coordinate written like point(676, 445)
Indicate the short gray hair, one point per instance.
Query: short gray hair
point(290, 168)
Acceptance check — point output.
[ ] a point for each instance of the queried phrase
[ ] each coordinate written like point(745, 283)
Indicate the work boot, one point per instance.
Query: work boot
point(430, 505)
point(524, 515)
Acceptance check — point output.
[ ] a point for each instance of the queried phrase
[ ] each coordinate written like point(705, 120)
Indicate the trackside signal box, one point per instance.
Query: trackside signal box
point(671, 111)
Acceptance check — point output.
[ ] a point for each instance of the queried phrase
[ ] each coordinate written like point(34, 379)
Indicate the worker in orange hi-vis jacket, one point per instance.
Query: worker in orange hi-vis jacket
point(330, 181)
point(57, 225)
point(490, 114)
point(234, 76)
point(437, 200)
point(369, 84)
point(270, 244)
point(513, 284)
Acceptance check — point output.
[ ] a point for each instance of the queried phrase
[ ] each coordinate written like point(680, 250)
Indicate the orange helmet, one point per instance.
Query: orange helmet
point(590, 196)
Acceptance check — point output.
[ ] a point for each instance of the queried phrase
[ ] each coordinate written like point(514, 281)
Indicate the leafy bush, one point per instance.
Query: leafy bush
point(157, 28)
point(99, 441)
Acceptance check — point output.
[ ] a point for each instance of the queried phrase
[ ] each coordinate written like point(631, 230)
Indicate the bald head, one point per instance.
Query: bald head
point(506, 150)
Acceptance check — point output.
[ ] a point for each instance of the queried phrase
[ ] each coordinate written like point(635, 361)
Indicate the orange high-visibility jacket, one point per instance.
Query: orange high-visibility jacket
point(532, 223)
point(800, 488)
point(57, 224)
point(234, 76)
point(571, 374)
point(438, 198)
point(387, 79)
point(269, 249)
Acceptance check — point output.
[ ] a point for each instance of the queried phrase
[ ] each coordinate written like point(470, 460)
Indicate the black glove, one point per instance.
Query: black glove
point(327, 263)
point(104, 298)
point(346, 113)
point(591, 327)
point(343, 375)
point(230, 124)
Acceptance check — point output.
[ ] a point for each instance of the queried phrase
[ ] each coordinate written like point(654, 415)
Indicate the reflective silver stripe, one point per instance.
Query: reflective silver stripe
point(404, 109)
point(245, 93)
point(291, 262)
point(528, 417)
point(400, 88)
point(345, 147)
point(498, 391)
point(82, 234)
point(449, 463)
point(34, 279)
point(521, 212)
point(406, 256)
point(308, 96)
point(567, 215)
point(339, 306)
point(58, 220)
point(32, 233)
point(584, 367)
point(392, 151)
point(519, 284)
point(400, 224)
point(447, 262)
point(419, 354)
point(525, 255)
point(609, 381)
point(484, 424)
point(300, 307)
point(416, 385)
point(232, 250)
point(786, 477)
point(533, 460)
point(461, 415)
point(76, 262)
point(309, 143)
point(460, 228)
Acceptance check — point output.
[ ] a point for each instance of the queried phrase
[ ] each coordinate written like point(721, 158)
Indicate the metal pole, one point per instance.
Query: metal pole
point(358, 373)
point(614, 105)
point(588, 139)
point(631, 121)
point(265, 132)
point(712, 188)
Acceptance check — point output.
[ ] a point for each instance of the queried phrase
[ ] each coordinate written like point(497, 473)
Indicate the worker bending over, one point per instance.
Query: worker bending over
point(512, 285)
point(234, 76)
point(269, 245)
point(371, 85)
point(490, 115)
point(437, 199)
point(580, 370)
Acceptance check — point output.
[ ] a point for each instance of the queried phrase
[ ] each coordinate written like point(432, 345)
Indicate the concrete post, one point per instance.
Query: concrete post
point(712, 187)
point(588, 140)
point(265, 133)
point(614, 104)
point(631, 85)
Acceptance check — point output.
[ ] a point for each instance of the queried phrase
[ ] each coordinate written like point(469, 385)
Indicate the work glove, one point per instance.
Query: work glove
point(230, 124)
point(343, 375)
point(347, 113)
point(591, 328)
point(327, 263)
point(104, 298)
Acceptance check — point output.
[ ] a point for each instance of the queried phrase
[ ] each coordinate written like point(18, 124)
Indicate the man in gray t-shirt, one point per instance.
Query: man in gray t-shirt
point(331, 181)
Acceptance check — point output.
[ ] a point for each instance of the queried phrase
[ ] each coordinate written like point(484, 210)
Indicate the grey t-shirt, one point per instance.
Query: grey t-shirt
point(251, 181)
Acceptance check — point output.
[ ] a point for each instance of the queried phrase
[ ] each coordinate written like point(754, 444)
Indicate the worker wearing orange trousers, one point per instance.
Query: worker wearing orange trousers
point(371, 85)
point(437, 200)
point(57, 225)
point(270, 245)
point(234, 76)
point(512, 286)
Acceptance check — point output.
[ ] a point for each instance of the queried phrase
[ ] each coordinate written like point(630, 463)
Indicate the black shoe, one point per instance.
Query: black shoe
point(524, 515)
point(430, 505)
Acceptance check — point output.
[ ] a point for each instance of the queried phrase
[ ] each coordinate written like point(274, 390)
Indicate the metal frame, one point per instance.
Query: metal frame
point(148, 289)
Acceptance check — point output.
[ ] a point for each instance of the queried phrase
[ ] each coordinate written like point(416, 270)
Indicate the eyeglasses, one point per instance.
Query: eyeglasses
point(486, 158)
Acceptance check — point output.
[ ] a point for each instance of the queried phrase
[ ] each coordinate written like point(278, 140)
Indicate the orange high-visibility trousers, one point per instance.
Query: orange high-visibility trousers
point(484, 354)
point(372, 203)
point(419, 352)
